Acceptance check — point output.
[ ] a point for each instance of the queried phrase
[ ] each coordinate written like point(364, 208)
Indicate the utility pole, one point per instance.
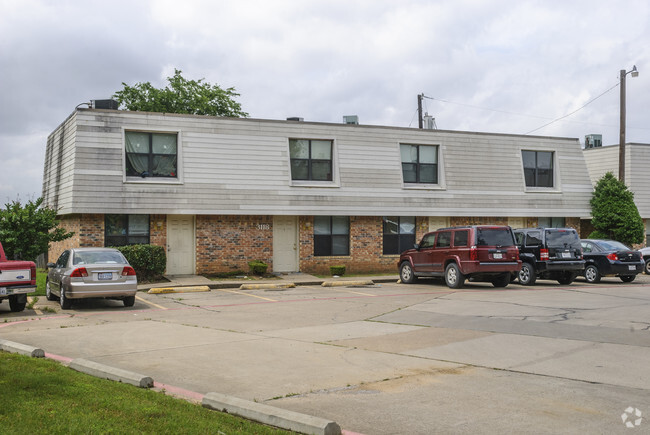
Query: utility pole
point(621, 140)
point(420, 96)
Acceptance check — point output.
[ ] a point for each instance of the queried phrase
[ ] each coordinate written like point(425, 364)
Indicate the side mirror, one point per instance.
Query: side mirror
point(51, 265)
point(416, 247)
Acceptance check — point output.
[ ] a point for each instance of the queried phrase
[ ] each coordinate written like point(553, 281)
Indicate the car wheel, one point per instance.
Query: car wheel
point(567, 278)
point(48, 292)
point(406, 273)
point(65, 303)
point(129, 301)
point(627, 278)
point(502, 280)
point(592, 275)
point(453, 277)
point(17, 304)
point(647, 267)
point(527, 274)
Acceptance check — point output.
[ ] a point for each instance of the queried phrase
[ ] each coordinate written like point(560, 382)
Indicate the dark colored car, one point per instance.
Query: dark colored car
point(549, 253)
point(478, 253)
point(611, 258)
point(646, 259)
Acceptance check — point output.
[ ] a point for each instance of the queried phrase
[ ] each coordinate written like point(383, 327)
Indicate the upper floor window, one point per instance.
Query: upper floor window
point(538, 168)
point(419, 163)
point(311, 159)
point(151, 154)
point(399, 234)
point(126, 229)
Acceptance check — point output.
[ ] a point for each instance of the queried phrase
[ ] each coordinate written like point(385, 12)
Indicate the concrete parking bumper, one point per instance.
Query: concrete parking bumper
point(23, 349)
point(270, 415)
point(112, 373)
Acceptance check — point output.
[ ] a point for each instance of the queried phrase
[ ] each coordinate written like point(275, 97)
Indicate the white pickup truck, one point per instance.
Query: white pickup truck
point(17, 278)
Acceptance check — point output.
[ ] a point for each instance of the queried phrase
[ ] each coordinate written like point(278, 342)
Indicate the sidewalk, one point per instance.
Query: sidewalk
point(297, 278)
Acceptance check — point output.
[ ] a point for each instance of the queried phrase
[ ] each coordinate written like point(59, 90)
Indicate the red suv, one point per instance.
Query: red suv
point(478, 253)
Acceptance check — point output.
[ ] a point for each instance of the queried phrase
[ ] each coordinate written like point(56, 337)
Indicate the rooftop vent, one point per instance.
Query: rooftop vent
point(351, 119)
point(593, 140)
point(429, 122)
point(295, 118)
point(105, 104)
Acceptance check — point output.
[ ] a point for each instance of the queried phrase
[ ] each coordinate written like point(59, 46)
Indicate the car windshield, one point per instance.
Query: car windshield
point(98, 257)
point(612, 245)
point(562, 239)
point(494, 237)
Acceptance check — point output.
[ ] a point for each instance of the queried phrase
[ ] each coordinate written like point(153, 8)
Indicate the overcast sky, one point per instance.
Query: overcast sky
point(491, 66)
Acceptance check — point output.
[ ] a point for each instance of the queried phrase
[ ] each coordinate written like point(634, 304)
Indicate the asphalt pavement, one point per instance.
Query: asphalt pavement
point(382, 358)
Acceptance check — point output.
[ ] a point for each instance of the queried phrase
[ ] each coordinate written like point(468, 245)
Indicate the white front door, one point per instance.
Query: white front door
point(180, 245)
point(285, 244)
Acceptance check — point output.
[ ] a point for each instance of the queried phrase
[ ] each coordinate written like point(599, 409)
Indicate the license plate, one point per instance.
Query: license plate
point(105, 276)
point(631, 267)
point(3, 291)
point(497, 256)
point(565, 255)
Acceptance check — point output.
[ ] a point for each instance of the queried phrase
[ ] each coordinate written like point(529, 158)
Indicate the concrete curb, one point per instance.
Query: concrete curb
point(346, 283)
point(23, 349)
point(112, 373)
point(266, 286)
point(271, 415)
point(187, 289)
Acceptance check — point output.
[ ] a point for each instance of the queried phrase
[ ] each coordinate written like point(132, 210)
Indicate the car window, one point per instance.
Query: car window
point(562, 239)
point(461, 238)
point(612, 245)
point(534, 238)
point(63, 259)
point(98, 257)
point(444, 239)
point(427, 241)
point(519, 238)
point(586, 247)
point(494, 237)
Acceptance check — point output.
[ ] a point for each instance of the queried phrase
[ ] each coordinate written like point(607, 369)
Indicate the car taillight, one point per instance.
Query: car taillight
point(128, 271)
point(612, 256)
point(543, 254)
point(80, 272)
point(473, 253)
point(516, 254)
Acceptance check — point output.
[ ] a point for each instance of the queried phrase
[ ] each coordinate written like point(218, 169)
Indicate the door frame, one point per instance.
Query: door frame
point(277, 241)
point(193, 245)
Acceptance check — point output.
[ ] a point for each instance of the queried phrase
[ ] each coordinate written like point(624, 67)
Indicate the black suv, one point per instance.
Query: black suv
point(477, 253)
point(549, 253)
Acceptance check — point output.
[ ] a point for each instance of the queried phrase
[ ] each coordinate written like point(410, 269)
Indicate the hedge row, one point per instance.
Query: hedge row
point(149, 261)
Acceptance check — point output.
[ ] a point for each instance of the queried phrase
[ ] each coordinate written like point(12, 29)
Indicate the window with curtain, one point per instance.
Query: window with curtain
point(126, 229)
point(399, 234)
point(151, 154)
point(311, 159)
point(331, 235)
point(419, 163)
point(538, 168)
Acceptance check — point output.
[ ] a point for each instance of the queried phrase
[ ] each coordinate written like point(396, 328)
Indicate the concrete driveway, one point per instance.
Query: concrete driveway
point(384, 359)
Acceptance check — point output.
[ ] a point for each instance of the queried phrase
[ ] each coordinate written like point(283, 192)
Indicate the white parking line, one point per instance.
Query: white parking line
point(150, 303)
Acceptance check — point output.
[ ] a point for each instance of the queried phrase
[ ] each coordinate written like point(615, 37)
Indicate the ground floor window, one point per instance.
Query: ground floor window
point(331, 235)
point(551, 222)
point(399, 234)
point(126, 229)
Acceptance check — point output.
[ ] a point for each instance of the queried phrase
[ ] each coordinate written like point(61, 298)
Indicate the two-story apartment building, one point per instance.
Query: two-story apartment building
point(603, 159)
point(301, 196)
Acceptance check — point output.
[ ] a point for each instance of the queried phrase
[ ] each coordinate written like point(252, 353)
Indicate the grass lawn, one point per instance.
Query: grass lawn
point(41, 396)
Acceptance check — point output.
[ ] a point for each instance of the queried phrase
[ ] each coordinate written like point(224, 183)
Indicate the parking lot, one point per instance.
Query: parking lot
point(383, 359)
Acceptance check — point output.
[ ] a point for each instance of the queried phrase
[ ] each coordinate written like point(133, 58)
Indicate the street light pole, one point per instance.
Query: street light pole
point(621, 140)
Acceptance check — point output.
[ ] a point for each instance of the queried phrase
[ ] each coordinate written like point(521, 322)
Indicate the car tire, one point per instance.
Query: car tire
point(502, 280)
point(567, 278)
point(453, 277)
point(627, 278)
point(406, 273)
point(65, 303)
point(17, 304)
point(48, 292)
point(129, 301)
point(646, 269)
point(592, 275)
point(527, 274)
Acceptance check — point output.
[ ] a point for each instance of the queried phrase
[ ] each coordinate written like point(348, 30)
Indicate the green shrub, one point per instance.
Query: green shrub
point(337, 270)
point(258, 267)
point(149, 261)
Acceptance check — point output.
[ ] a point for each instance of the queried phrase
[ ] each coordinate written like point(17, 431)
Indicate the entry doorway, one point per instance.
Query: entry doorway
point(180, 245)
point(285, 244)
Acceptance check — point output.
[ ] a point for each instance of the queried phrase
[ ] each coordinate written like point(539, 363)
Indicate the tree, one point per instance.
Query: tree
point(615, 215)
point(26, 232)
point(194, 97)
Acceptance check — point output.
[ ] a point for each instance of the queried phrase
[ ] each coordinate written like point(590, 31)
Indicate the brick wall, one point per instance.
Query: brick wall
point(228, 243)
point(88, 232)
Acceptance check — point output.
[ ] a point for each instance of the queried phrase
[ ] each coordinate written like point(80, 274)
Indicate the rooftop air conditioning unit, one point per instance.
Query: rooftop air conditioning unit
point(593, 140)
point(105, 104)
point(351, 119)
point(295, 118)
